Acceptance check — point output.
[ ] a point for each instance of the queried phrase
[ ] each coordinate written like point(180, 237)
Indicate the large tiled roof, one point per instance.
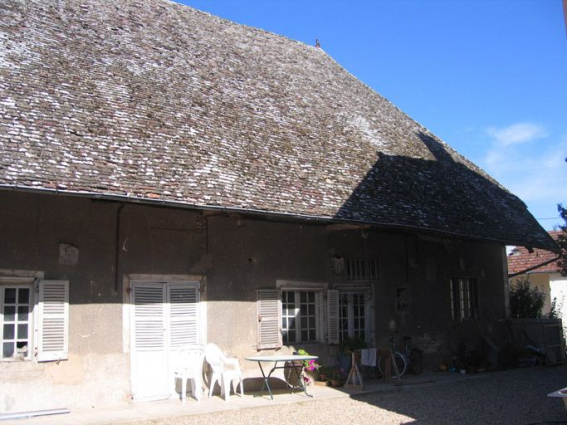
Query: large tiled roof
point(520, 259)
point(152, 100)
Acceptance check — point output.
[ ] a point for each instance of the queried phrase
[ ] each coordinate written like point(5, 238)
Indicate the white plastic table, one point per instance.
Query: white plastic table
point(292, 361)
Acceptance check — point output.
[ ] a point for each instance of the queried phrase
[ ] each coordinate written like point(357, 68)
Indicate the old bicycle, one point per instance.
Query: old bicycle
point(409, 358)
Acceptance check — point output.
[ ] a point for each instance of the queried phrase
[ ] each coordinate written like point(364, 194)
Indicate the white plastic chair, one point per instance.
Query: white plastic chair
point(226, 371)
point(189, 366)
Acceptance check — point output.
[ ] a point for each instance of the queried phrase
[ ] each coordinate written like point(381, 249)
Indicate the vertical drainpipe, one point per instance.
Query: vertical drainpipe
point(117, 247)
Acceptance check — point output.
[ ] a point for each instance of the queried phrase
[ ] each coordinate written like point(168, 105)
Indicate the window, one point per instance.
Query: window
point(28, 307)
point(16, 307)
point(464, 299)
point(299, 316)
point(352, 313)
point(361, 269)
point(297, 312)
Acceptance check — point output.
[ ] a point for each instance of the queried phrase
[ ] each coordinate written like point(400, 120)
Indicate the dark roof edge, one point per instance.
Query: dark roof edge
point(529, 269)
point(321, 219)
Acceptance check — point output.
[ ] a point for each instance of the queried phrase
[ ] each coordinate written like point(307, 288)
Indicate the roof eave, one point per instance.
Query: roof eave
point(274, 214)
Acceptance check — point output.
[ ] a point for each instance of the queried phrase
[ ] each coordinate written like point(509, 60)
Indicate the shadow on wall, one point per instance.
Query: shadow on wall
point(440, 194)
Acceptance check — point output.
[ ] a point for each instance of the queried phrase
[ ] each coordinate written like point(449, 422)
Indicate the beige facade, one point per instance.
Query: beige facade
point(104, 249)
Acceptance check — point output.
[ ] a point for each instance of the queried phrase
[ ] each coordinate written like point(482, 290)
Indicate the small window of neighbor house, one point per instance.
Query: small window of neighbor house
point(358, 269)
point(464, 299)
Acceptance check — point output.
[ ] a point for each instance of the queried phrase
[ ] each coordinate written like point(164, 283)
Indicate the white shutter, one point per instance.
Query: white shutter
point(183, 315)
point(269, 319)
point(150, 376)
point(149, 321)
point(333, 316)
point(53, 321)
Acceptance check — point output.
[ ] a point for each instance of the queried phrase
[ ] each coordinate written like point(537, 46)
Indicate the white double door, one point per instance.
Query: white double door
point(164, 319)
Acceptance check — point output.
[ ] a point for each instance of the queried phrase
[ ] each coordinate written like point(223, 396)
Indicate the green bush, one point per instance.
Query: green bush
point(526, 302)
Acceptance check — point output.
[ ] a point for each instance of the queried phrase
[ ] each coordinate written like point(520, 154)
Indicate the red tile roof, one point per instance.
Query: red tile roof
point(521, 259)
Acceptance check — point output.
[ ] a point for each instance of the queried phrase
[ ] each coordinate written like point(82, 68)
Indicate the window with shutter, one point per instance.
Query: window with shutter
point(53, 320)
point(269, 318)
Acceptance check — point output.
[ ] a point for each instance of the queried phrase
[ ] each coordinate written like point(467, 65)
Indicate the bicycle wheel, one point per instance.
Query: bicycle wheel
point(401, 363)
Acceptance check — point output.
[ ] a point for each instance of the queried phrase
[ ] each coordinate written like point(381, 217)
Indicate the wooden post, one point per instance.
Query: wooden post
point(354, 380)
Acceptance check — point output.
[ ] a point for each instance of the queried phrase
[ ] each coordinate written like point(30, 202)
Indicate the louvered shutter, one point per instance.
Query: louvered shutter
point(333, 316)
point(183, 315)
point(269, 319)
point(149, 320)
point(53, 321)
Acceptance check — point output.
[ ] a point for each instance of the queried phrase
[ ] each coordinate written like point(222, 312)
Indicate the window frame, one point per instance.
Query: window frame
point(350, 306)
point(321, 319)
point(298, 328)
point(362, 269)
point(18, 283)
point(464, 298)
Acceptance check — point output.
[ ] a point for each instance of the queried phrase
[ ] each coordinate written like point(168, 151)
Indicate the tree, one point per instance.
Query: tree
point(526, 302)
point(562, 241)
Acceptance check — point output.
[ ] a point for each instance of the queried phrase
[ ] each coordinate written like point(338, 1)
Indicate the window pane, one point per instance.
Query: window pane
point(22, 348)
point(291, 323)
point(312, 335)
point(9, 314)
point(23, 295)
point(311, 309)
point(291, 336)
point(304, 335)
point(303, 297)
point(303, 322)
point(290, 297)
point(303, 309)
point(9, 331)
point(22, 331)
point(7, 349)
point(23, 314)
point(10, 296)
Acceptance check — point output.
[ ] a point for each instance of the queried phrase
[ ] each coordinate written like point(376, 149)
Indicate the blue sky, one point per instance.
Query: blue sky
point(489, 77)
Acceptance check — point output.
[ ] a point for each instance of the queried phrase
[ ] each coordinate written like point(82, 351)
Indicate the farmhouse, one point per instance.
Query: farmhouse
point(168, 177)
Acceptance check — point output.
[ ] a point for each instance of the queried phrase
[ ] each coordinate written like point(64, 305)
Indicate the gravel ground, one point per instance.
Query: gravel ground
point(511, 397)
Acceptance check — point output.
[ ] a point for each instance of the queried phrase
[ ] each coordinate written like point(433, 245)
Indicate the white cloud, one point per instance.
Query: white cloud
point(517, 133)
point(536, 172)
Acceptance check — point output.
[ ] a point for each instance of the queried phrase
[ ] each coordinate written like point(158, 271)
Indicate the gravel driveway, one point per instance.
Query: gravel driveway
point(511, 397)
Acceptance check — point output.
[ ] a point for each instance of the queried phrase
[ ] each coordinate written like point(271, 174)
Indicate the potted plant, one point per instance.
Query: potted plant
point(336, 378)
point(324, 373)
point(310, 368)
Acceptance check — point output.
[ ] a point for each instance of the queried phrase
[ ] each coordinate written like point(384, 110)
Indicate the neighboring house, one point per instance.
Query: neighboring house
point(169, 177)
point(541, 269)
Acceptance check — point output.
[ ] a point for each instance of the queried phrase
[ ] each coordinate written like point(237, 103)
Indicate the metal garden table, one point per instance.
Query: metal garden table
point(290, 362)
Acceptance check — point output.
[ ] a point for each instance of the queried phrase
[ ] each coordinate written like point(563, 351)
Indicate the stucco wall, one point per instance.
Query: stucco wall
point(235, 255)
